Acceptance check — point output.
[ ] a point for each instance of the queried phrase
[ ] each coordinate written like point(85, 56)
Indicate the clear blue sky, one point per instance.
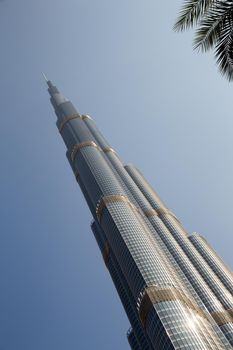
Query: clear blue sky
point(163, 107)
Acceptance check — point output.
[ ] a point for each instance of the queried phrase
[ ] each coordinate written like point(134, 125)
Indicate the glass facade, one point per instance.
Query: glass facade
point(213, 260)
point(175, 291)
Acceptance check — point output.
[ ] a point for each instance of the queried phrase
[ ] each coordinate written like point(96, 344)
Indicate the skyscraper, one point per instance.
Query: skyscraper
point(176, 291)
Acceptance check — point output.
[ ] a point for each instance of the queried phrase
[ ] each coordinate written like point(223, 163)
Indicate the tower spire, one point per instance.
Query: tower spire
point(46, 79)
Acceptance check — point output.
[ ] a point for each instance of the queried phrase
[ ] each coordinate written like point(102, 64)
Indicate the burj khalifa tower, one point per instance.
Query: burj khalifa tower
point(176, 291)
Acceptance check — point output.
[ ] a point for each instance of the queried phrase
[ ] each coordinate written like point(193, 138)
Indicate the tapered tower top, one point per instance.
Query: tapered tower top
point(62, 106)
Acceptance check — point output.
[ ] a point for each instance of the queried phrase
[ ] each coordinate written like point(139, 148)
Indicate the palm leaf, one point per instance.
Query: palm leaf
point(224, 48)
point(215, 24)
point(191, 13)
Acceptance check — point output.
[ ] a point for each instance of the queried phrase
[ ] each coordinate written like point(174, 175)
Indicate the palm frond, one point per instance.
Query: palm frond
point(191, 13)
point(224, 48)
point(215, 24)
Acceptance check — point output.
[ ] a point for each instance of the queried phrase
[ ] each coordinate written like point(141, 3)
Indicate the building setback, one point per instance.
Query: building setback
point(176, 291)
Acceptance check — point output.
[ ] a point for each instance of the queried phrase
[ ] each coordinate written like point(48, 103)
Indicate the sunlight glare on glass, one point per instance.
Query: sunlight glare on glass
point(192, 323)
